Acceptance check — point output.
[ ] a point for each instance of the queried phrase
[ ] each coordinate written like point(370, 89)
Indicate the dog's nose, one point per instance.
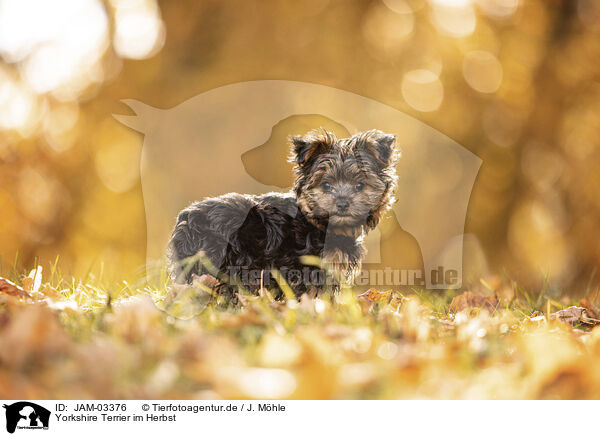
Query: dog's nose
point(342, 205)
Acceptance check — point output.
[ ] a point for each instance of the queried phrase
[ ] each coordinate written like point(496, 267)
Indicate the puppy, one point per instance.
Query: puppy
point(341, 190)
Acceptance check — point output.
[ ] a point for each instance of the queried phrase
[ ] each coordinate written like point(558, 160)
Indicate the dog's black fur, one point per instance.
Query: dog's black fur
point(342, 188)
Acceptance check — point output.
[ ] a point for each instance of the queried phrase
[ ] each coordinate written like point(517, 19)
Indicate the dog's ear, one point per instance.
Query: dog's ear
point(306, 147)
point(385, 147)
point(379, 144)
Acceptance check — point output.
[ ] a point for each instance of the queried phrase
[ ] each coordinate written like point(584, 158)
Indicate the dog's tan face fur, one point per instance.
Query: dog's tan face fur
point(344, 183)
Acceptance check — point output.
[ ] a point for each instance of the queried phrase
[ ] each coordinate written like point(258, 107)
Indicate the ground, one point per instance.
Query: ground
point(64, 339)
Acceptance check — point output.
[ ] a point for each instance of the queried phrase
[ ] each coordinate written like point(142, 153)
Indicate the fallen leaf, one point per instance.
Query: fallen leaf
point(49, 291)
point(538, 319)
point(468, 299)
point(8, 287)
point(591, 310)
point(33, 334)
point(575, 314)
point(375, 295)
point(396, 301)
point(367, 299)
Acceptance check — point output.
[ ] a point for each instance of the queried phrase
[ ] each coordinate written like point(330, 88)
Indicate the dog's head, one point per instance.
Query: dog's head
point(344, 183)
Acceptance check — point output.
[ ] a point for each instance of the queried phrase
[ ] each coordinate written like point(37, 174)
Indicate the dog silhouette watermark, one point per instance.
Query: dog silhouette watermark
point(26, 415)
point(194, 150)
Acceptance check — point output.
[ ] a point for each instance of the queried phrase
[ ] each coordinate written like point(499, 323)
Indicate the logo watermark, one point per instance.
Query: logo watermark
point(24, 415)
point(200, 149)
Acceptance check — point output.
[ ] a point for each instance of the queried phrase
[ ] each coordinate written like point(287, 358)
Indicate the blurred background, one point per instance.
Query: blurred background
point(517, 82)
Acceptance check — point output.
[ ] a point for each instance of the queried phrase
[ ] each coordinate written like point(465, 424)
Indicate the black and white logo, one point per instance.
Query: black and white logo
point(26, 415)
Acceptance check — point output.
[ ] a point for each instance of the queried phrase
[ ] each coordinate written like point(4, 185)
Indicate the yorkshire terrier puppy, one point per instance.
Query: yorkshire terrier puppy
point(342, 188)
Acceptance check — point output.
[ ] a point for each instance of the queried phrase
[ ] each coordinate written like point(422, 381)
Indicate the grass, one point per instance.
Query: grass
point(100, 339)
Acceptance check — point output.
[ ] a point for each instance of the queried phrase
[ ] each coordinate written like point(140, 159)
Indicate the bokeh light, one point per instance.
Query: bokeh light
point(59, 43)
point(389, 26)
point(422, 90)
point(17, 103)
point(139, 31)
point(498, 8)
point(40, 195)
point(454, 18)
point(117, 157)
point(59, 124)
point(482, 71)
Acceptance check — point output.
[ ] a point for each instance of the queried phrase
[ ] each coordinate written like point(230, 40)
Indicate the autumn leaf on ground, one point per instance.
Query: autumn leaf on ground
point(468, 299)
point(10, 288)
point(575, 314)
point(591, 310)
point(375, 295)
point(367, 299)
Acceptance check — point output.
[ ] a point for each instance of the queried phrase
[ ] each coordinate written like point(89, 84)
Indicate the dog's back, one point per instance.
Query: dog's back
point(235, 229)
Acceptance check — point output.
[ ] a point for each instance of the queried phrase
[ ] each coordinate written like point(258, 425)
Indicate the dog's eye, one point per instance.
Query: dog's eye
point(326, 186)
point(359, 186)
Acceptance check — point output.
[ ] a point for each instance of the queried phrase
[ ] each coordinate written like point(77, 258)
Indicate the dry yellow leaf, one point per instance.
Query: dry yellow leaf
point(468, 299)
